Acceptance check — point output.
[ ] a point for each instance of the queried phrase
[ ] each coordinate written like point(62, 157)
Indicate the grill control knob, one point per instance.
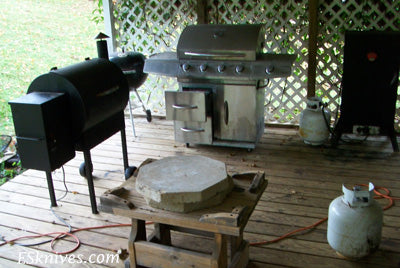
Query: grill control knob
point(221, 68)
point(203, 68)
point(239, 69)
point(185, 67)
point(269, 69)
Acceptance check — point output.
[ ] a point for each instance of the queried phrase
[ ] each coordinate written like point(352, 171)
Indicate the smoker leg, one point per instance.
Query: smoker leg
point(336, 135)
point(51, 189)
point(124, 148)
point(335, 138)
point(128, 170)
point(395, 145)
point(146, 111)
point(89, 177)
point(393, 139)
point(131, 116)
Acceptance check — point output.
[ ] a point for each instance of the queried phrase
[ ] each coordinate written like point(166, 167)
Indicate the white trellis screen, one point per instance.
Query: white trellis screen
point(152, 26)
point(335, 17)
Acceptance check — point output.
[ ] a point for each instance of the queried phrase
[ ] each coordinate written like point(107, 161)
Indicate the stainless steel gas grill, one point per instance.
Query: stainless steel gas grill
point(221, 71)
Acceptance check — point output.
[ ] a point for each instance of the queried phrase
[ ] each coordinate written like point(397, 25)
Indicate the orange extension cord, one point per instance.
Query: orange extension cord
point(60, 235)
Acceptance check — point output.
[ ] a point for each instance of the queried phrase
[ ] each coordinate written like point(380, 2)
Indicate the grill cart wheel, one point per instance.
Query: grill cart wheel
point(82, 169)
point(129, 172)
point(148, 116)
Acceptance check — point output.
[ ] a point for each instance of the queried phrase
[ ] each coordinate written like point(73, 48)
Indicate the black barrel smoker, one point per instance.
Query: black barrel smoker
point(68, 109)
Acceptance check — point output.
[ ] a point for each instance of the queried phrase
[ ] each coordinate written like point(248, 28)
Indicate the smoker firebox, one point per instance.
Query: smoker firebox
point(44, 140)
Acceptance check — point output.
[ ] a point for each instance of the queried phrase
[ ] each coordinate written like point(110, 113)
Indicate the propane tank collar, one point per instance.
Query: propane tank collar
point(357, 197)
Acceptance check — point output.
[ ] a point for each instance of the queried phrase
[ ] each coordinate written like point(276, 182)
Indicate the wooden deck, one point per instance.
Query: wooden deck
point(303, 181)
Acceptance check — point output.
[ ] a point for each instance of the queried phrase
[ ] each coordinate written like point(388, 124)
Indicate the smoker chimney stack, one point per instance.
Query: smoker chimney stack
point(101, 43)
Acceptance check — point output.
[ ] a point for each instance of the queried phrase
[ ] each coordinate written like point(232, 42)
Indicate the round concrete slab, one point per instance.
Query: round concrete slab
point(187, 207)
point(183, 180)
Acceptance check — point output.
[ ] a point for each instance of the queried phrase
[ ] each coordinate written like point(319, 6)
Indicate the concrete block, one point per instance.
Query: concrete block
point(183, 183)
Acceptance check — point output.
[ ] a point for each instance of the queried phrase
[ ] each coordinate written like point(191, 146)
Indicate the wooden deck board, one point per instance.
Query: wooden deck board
point(303, 180)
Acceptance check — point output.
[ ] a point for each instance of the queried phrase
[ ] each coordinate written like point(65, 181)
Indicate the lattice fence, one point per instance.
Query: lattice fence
point(286, 26)
point(152, 26)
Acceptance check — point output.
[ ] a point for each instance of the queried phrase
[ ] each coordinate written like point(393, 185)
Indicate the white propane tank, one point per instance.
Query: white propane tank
point(355, 223)
point(313, 127)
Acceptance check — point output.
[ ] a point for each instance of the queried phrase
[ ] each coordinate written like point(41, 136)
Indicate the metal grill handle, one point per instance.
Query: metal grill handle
point(192, 130)
point(184, 107)
point(226, 54)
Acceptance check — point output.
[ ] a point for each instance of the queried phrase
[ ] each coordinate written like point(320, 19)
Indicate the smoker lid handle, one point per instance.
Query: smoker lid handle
point(29, 138)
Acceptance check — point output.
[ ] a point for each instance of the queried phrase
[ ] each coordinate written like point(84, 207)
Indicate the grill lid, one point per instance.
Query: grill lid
point(221, 42)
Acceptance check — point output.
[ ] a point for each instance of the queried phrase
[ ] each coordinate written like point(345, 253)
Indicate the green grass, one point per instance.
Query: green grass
point(37, 35)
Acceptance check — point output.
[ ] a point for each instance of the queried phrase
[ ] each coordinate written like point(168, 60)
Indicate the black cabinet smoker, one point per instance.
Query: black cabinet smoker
point(369, 85)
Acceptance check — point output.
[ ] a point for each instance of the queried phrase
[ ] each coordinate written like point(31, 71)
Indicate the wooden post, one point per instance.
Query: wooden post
point(312, 46)
point(235, 243)
point(138, 232)
point(220, 253)
point(201, 12)
point(161, 234)
point(109, 28)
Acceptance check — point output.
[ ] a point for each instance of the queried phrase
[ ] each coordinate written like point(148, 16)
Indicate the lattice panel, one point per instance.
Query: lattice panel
point(335, 17)
point(152, 26)
point(286, 28)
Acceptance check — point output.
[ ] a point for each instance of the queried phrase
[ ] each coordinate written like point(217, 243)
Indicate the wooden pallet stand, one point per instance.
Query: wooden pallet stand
point(223, 223)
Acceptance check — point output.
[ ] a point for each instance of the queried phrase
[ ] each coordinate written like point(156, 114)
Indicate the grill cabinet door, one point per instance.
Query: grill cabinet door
point(239, 113)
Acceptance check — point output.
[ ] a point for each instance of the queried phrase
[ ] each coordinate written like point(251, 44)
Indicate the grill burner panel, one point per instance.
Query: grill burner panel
point(267, 66)
point(220, 52)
